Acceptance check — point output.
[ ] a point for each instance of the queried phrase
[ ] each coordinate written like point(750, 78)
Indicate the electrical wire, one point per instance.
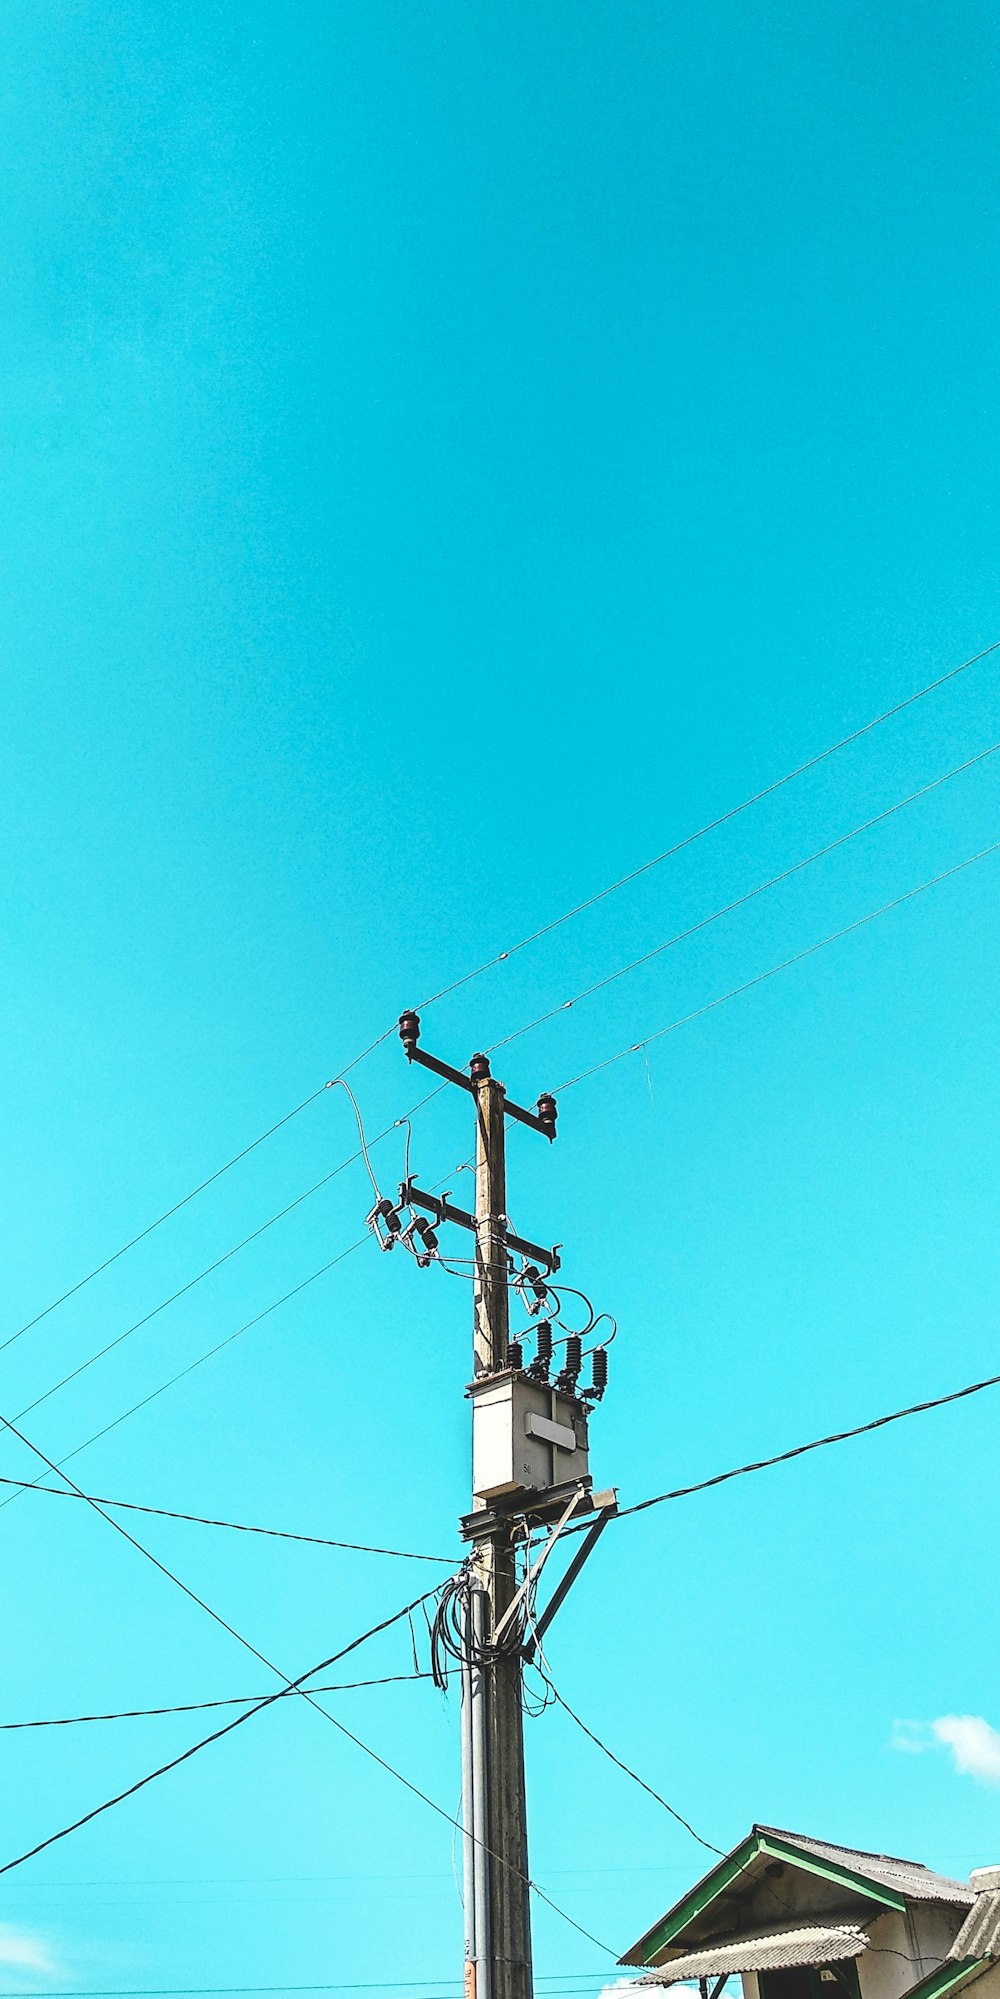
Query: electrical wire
point(636, 1779)
point(200, 1707)
point(772, 971)
point(219, 1992)
point(184, 1289)
point(815, 1444)
point(713, 825)
point(339, 1084)
point(324, 1181)
point(235, 1526)
point(165, 1217)
point(289, 1686)
point(501, 957)
point(162, 1769)
point(681, 936)
point(209, 1354)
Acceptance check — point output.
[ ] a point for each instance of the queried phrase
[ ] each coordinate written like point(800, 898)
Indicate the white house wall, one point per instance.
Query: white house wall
point(904, 1948)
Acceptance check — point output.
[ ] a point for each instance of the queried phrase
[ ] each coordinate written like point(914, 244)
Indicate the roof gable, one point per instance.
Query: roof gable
point(823, 1878)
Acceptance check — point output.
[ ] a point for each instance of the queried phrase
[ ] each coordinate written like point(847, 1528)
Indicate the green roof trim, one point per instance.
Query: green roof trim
point(831, 1870)
point(699, 1898)
point(946, 1978)
point(736, 1863)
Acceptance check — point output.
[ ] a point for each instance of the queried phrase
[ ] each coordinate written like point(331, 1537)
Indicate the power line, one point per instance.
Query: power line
point(636, 1779)
point(168, 1213)
point(335, 1171)
point(713, 825)
point(635, 1047)
point(215, 1992)
point(235, 1526)
point(290, 1686)
point(501, 957)
point(201, 1707)
point(185, 1288)
point(34, 1485)
point(796, 959)
point(815, 1444)
point(275, 1305)
point(165, 1217)
point(739, 901)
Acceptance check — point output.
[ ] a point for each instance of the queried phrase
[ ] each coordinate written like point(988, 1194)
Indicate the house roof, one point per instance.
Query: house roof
point(909, 1877)
point(979, 1935)
point(836, 1883)
point(769, 1950)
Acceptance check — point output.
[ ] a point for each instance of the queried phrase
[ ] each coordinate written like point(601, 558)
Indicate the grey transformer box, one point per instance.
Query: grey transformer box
point(526, 1437)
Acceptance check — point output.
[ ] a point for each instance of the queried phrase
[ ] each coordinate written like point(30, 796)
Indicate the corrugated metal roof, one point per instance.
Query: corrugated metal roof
point(979, 1935)
point(765, 1950)
point(908, 1877)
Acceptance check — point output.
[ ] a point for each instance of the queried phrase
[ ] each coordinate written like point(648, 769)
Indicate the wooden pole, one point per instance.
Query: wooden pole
point(510, 1915)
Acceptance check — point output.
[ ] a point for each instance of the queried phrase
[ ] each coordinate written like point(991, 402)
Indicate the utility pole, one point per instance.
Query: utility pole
point(506, 1813)
point(530, 1473)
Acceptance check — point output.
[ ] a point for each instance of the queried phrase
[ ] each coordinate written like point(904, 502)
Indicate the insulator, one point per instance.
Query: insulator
point(546, 1110)
point(429, 1238)
point(574, 1357)
point(479, 1068)
point(515, 1355)
point(409, 1030)
point(543, 1344)
point(599, 1365)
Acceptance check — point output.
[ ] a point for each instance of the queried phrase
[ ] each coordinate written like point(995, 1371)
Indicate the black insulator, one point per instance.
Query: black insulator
point(574, 1358)
point(543, 1344)
point(599, 1364)
point(479, 1067)
point(546, 1109)
point(515, 1355)
point(409, 1030)
point(430, 1240)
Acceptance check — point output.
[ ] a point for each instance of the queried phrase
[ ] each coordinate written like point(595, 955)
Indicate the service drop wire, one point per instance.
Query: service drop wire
point(234, 1526)
point(289, 1686)
point(296, 1686)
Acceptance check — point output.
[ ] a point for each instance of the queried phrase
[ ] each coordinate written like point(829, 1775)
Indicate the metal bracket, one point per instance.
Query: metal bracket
point(538, 1507)
point(442, 1209)
point(606, 1504)
point(532, 1572)
point(542, 1120)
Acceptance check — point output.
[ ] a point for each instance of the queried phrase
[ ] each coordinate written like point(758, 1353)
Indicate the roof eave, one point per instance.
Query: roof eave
point(713, 1884)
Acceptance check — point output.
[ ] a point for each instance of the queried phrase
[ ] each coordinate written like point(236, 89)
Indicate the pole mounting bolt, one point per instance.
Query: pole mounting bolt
point(479, 1068)
point(409, 1032)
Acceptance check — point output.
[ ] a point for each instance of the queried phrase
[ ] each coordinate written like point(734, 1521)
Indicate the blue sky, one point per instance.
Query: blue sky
point(450, 454)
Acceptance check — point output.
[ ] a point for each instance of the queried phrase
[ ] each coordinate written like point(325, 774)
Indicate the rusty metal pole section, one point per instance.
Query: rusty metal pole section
point(506, 1817)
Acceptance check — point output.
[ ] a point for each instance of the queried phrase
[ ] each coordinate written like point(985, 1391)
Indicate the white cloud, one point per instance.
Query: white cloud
point(912, 1736)
point(974, 1745)
point(21, 1951)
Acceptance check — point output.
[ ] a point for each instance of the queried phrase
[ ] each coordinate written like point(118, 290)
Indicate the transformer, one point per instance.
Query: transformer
point(526, 1437)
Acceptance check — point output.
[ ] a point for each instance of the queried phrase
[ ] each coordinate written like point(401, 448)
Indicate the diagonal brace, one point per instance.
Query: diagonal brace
point(532, 1573)
point(562, 1590)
